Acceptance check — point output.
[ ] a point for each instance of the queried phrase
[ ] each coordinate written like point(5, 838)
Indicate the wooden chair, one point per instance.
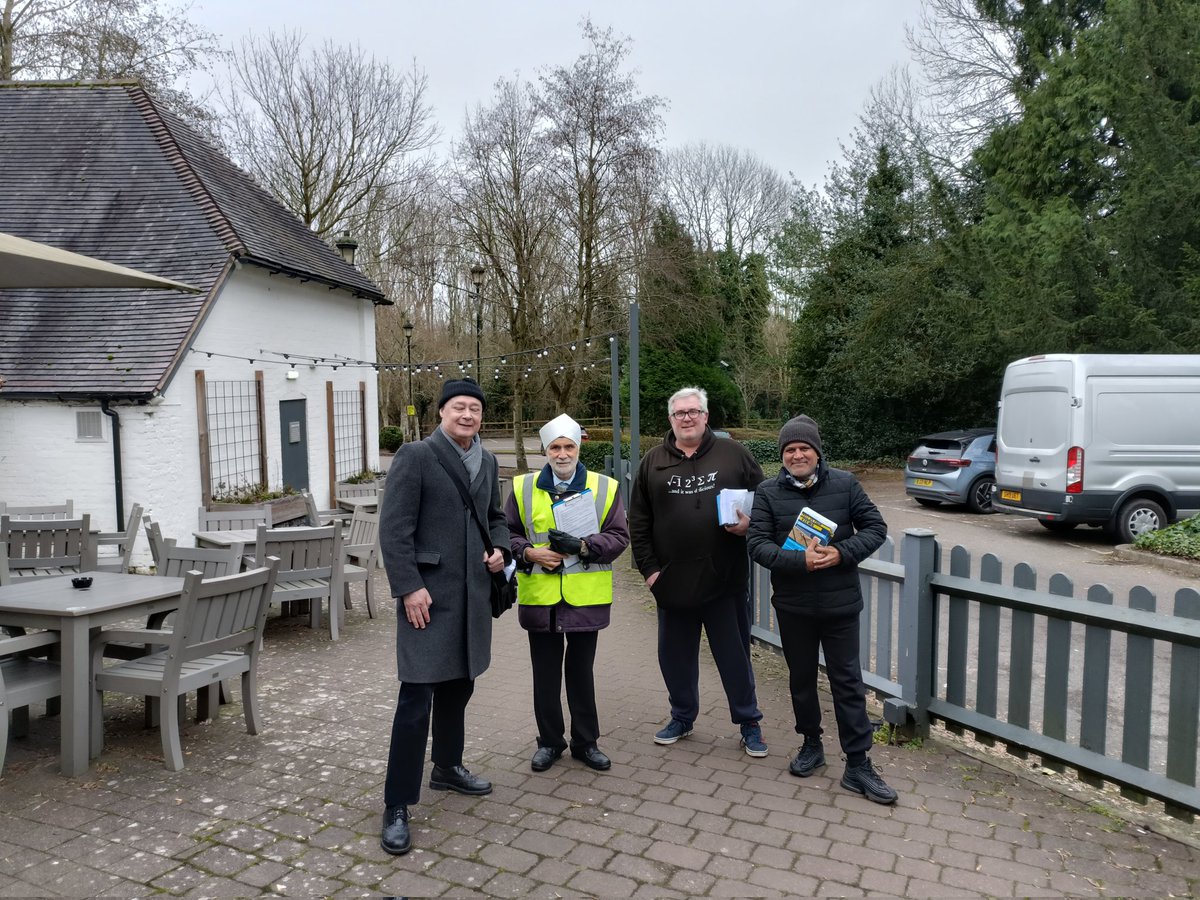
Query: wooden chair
point(234, 518)
point(40, 548)
point(176, 562)
point(359, 554)
point(318, 517)
point(218, 626)
point(310, 568)
point(290, 510)
point(25, 679)
point(122, 540)
point(363, 489)
point(52, 511)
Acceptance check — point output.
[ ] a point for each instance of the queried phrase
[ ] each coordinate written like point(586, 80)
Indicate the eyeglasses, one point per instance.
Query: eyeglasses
point(680, 414)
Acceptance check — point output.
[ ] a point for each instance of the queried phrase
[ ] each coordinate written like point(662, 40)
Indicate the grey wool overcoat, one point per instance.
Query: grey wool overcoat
point(429, 540)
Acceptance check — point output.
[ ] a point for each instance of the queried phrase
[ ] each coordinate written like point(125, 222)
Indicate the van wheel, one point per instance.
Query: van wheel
point(1137, 517)
point(925, 501)
point(1056, 526)
point(979, 500)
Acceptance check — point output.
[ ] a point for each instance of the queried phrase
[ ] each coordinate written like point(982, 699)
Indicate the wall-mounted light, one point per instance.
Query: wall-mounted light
point(292, 375)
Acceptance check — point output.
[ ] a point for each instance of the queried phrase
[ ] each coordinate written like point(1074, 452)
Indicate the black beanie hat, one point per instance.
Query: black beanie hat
point(463, 387)
point(801, 428)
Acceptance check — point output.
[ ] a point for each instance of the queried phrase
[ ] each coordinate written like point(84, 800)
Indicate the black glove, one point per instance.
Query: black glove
point(561, 542)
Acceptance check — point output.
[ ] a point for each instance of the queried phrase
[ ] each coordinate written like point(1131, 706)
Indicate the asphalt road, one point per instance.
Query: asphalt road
point(1085, 554)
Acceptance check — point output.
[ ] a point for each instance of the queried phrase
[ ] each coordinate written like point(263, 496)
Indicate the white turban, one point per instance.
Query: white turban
point(563, 426)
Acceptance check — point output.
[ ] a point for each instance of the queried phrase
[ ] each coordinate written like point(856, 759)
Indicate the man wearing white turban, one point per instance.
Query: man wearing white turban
point(564, 581)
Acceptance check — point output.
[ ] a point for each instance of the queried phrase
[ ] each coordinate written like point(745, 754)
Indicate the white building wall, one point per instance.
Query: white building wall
point(42, 462)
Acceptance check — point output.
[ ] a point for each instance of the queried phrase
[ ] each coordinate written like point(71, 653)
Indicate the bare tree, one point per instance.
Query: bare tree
point(971, 70)
point(328, 131)
point(505, 210)
point(602, 133)
point(144, 40)
point(725, 197)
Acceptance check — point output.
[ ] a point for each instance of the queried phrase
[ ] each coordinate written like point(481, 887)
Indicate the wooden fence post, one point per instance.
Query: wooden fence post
point(916, 664)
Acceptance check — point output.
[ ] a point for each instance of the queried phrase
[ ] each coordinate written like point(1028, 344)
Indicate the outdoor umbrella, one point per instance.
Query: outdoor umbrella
point(29, 264)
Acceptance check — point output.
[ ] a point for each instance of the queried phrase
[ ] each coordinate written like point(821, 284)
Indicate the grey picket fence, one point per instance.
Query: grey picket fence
point(1109, 690)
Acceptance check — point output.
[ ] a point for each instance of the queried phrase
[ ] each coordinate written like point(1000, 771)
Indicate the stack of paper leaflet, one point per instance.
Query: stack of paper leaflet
point(729, 501)
point(809, 524)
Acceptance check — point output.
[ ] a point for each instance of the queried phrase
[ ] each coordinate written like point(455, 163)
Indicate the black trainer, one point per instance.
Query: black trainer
point(808, 759)
point(395, 838)
point(863, 779)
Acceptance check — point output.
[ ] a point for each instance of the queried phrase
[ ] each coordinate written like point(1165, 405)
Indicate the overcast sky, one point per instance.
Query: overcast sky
point(784, 79)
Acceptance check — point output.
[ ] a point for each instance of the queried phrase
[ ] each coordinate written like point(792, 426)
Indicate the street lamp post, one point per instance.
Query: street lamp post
point(412, 407)
point(477, 280)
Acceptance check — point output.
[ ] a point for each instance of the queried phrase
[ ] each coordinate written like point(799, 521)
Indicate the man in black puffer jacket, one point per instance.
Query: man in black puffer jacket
point(817, 598)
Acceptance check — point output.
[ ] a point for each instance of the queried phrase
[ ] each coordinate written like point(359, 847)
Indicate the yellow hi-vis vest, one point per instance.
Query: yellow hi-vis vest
point(579, 586)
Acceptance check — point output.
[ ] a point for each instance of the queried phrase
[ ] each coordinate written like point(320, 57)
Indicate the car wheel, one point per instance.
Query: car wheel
point(1056, 526)
point(1137, 517)
point(925, 501)
point(979, 499)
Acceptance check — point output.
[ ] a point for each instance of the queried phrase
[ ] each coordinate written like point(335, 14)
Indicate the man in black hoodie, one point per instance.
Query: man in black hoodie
point(696, 568)
point(817, 598)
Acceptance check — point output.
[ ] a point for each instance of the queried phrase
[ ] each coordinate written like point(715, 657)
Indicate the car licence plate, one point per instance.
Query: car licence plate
point(923, 482)
point(1015, 496)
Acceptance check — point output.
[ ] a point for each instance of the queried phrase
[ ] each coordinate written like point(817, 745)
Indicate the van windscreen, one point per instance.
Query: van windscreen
point(1035, 420)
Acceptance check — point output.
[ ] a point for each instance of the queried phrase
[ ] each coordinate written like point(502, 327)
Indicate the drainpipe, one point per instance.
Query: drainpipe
point(117, 482)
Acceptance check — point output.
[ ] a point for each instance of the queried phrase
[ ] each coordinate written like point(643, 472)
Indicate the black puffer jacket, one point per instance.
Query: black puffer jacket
point(861, 530)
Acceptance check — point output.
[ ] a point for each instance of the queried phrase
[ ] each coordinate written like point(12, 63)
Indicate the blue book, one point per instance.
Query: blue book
point(809, 524)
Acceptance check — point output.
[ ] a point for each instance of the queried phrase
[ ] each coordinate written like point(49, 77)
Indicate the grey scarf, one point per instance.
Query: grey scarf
point(472, 458)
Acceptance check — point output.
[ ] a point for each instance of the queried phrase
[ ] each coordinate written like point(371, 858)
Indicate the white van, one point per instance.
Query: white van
point(1111, 440)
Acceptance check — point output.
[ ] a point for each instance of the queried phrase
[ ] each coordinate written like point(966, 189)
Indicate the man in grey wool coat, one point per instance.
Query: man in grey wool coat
point(438, 568)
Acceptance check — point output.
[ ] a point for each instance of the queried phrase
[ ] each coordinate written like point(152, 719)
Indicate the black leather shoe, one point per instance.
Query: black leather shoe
point(457, 778)
point(544, 758)
point(593, 758)
point(395, 839)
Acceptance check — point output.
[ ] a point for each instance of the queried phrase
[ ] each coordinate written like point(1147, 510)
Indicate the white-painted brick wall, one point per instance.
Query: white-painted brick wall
point(42, 462)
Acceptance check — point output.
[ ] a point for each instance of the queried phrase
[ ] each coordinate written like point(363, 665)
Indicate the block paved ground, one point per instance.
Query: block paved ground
point(295, 810)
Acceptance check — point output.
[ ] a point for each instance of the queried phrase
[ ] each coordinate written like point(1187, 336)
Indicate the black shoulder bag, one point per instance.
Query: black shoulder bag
point(504, 589)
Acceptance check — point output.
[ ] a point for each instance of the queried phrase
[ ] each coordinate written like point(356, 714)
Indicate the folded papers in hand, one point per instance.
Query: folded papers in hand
point(729, 501)
point(809, 524)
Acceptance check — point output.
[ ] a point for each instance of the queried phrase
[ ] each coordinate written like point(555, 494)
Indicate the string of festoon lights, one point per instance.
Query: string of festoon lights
point(511, 360)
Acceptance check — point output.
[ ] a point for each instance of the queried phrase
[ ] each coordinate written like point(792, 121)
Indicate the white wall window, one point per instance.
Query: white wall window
point(89, 425)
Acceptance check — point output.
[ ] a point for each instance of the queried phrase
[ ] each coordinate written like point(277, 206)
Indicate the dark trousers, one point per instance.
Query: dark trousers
point(802, 637)
point(726, 621)
point(410, 730)
point(547, 652)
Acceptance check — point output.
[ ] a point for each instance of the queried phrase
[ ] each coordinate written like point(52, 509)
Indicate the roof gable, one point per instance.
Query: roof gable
point(100, 170)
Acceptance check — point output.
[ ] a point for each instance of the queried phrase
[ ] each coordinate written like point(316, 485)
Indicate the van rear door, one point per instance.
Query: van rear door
point(1033, 433)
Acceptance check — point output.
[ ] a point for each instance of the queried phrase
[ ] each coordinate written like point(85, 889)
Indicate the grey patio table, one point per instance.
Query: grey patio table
point(53, 604)
point(369, 504)
point(237, 538)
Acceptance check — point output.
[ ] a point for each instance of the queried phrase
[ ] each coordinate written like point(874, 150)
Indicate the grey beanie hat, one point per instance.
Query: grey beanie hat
point(801, 428)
